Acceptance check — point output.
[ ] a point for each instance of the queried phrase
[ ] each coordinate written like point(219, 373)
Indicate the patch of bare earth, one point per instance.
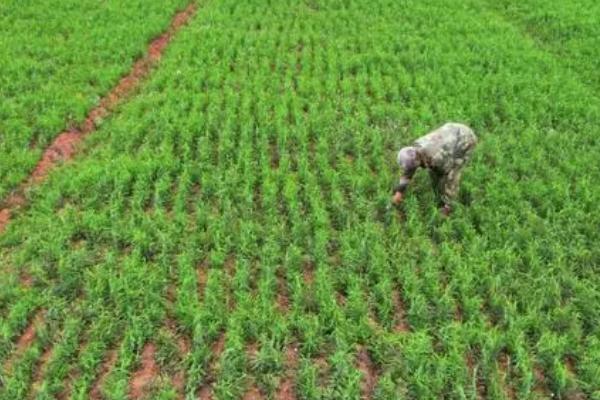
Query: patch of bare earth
point(274, 150)
point(283, 301)
point(506, 376)
point(40, 371)
point(26, 279)
point(66, 144)
point(286, 389)
point(253, 392)
point(229, 267)
point(480, 389)
point(202, 276)
point(206, 392)
point(401, 324)
point(4, 218)
point(341, 299)
point(107, 365)
point(458, 313)
point(320, 362)
point(25, 340)
point(309, 271)
point(14, 201)
point(146, 375)
point(73, 373)
point(540, 382)
point(183, 345)
point(573, 393)
point(370, 375)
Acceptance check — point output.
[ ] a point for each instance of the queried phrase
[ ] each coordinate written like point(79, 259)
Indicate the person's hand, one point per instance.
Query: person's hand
point(397, 198)
point(446, 210)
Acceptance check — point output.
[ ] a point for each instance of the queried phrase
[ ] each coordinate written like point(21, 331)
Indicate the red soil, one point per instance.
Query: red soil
point(283, 301)
point(367, 368)
point(401, 323)
point(320, 361)
point(229, 268)
point(183, 345)
point(291, 356)
point(26, 339)
point(202, 272)
point(107, 366)
point(540, 382)
point(205, 393)
point(253, 394)
point(341, 299)
point(480, 386)
point(252, 350)
point(309, 272)
point(145, 376)
point(26, 279)
point(504, 365)
point(458, 313)
point(171, 298)
point(570, 365)
point(230, 265)
point(274, 155)
point(4, 218)
point(63, 148)
point(14, 201)
point(286, 389)
point(217, 348)
point(28, 335)
point(40, 370)
point(65, 145)
point(178, 382)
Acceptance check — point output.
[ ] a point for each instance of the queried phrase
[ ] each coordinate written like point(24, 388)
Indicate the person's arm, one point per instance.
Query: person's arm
point(401, 187)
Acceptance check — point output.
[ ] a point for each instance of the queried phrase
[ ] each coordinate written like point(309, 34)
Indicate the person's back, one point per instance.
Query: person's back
point(444, 152)
point(445, 146)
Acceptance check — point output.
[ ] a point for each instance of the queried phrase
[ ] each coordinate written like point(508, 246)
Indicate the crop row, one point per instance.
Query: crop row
point(57, 58)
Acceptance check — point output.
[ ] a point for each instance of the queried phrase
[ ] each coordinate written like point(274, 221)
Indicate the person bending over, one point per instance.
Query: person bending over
point(444, 152)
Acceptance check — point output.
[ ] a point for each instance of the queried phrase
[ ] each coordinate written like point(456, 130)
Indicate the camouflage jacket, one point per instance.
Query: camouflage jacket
point(443, 150)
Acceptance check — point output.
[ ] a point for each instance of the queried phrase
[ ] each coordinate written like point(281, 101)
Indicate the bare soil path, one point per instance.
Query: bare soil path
point(65, 145)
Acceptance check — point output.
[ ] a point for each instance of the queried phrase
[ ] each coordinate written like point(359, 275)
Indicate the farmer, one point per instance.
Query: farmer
point(445, 151)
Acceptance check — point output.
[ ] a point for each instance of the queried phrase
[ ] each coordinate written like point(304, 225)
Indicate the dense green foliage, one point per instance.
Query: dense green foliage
point(57, 57)
point(256, 164)
point(569, 30)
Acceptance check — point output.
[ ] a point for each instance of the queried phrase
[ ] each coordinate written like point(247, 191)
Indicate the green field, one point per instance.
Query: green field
point(225, 233)
point(57, 57)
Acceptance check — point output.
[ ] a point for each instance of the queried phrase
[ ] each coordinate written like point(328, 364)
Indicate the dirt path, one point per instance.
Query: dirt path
point(25, 340)
point(401, 324)
point(40, 371)
point(206, 392)
point(178, 378)
point(471, 362)
point(370, 376)
point(108, 364)
point(286, 389)
point(66, 144)
point(143, 378)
